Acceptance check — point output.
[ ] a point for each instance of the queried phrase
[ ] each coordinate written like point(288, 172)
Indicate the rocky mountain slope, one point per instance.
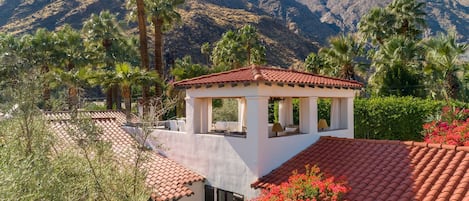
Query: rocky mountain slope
point(289, 28)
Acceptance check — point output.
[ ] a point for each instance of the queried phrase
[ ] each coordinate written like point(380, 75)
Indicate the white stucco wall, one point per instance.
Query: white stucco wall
point(232, 163)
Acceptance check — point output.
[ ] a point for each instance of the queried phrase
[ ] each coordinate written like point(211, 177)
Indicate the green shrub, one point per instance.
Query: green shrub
point(393, 118)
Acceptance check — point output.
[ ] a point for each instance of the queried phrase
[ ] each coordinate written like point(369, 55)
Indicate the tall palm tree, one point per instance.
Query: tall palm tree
point(143, 40)
point(340, 57)
point(443, 63)
point(396, 65)
point(377, 25)
point(410, 16)
point(163, 15)
point(70, 61)
point(43, 44)
point(238, 48)
point(102, 32)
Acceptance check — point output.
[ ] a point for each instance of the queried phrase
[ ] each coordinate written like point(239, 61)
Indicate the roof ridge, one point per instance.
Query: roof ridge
point(213, 74)
point(313, 74)
point(408, 143)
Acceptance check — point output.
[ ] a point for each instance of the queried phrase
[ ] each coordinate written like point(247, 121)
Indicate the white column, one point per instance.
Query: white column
point(257, 117)
point(309, 115)
point(313, 115)
point(285, 112)
point(350, 117)
point(204, 108)
point(209, 113)
point(335, 113)
point(282, 116)
point(241, 113)
point(257, 132)
point(190, 115)
point(289, 103)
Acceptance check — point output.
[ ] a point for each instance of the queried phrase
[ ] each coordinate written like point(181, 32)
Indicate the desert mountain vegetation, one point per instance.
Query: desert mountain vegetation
point(290, 29)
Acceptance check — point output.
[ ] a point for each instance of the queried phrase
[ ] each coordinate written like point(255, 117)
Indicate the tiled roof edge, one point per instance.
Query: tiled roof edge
point(181, 82)
point(307, 73)
point(408, 143)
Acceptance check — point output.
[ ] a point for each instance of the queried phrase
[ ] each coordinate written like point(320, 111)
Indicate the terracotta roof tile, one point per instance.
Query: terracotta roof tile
point(268, 74)
point(385, 170)
point(164, 176)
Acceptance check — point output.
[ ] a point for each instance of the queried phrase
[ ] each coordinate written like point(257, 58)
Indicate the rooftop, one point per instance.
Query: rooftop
point(164, 176)
point(384, 170)
point(269, 75)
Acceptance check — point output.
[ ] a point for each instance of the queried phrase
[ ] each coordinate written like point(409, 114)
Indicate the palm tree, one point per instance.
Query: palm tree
point(409, 15)
point(43, 44)
point(443, 63)
point(103, 31)
point(377, 25)
point(163, 14)
point(126, 76)
point(205, 50)
point(143, 40)
point(340, 57)
point(314, 63)
point(396, 65)
point(70, 60)
point(238, 48)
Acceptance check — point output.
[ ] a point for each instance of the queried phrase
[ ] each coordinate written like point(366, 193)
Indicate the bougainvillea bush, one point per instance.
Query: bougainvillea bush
point(310, 186)
point(452, 127)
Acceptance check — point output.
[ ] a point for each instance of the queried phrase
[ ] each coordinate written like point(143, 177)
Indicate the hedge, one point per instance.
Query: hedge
point(395, 118)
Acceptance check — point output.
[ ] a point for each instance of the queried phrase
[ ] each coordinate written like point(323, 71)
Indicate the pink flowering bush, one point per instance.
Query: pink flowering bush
point(451, 128)
point(310, 186)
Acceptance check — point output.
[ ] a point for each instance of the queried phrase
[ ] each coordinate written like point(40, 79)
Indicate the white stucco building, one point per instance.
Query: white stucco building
point(233, 155)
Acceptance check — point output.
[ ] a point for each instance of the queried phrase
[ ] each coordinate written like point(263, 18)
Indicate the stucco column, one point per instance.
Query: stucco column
point(309, 115)
point(209, 113)
point(257, 117)
point(285, 112)
point(335, 113)
point(204, 114)
point(241, 113)
point(350, 117)
point(257, 132)
point(190, 115)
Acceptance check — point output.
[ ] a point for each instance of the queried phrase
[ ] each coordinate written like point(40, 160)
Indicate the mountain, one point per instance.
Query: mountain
point(290, 29)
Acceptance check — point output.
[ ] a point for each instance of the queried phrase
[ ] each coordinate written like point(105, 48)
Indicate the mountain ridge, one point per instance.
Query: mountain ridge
point(290, 29)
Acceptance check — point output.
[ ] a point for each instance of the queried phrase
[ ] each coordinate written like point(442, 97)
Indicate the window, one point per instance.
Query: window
point(221, 195)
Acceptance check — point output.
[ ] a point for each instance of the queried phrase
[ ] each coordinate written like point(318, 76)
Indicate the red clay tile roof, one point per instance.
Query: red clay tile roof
point(268, 74)
point(118, 116)
point(385, 170)
point(164, 176)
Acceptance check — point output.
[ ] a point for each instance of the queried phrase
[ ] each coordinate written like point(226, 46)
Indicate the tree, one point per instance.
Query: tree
point(35, 166)
point(400, 17)
point(142, 30)
point(205, 50)
point(340, 57)
point(443, 64)
point(377, 25)
point(409, 17)
point(125, 76)
point(397, 64)
point(102, 32)
point(43, 44)
point(70, 63)
point(163, 14)
point(314, 63)
point(239, 48)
